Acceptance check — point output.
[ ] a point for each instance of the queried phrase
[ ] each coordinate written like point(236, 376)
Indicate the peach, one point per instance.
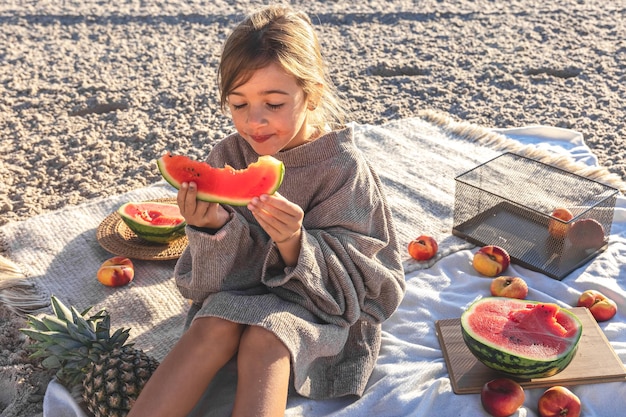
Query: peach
point(501, 397)
point(491, 260)
point(116, 271)
point(512, 287)
point(602, 308)
point(423, 248)
point(586, 234)
point(557, 226)
point(559, 401)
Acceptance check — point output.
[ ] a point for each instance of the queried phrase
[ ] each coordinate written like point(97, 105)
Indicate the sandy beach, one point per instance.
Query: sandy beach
point(92, 92)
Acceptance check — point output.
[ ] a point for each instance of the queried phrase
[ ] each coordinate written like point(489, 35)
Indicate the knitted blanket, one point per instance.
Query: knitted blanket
point(417, 160)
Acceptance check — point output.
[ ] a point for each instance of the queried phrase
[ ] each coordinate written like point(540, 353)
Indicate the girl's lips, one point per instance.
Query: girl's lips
point(260, 138)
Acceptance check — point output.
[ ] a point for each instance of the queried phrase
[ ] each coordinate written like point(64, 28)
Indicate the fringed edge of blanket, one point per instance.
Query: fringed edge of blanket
point(498, 141)
point(17, 292)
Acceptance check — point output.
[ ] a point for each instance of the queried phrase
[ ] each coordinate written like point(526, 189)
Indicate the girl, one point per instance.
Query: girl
point(296, 284)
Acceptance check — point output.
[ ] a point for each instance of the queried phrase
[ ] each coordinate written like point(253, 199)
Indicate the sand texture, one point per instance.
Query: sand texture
point(92, 92)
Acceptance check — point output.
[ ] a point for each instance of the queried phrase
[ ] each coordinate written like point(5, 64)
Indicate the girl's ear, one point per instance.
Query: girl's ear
point(315, 96)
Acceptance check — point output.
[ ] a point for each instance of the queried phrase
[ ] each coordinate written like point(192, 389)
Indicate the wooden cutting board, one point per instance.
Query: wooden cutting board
point(594, 362)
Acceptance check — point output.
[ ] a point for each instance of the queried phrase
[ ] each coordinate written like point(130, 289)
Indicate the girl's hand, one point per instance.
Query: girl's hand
point(199, 213)
point(282, 220)
point(279, 217)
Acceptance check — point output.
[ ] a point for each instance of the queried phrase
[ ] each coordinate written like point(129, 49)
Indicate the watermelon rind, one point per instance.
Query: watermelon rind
point(155, 233)
point(203, 175)
point(513, 364)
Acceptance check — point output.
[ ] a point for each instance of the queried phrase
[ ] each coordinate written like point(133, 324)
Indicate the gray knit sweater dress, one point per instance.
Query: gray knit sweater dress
point(327, 309)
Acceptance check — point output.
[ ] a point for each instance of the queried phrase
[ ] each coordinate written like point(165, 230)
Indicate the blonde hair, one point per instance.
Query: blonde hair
point(278, 34)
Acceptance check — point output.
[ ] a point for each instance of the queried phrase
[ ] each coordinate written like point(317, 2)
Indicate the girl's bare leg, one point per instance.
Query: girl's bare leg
point(263, 365)
point(180, 380)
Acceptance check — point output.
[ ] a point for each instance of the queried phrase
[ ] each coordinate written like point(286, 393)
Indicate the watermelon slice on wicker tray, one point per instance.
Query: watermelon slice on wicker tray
point(153, 221)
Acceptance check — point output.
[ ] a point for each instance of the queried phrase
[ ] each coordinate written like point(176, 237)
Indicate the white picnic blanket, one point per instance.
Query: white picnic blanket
point(411, 377)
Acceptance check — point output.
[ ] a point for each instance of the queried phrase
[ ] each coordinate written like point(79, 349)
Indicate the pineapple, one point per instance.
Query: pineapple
point(105, 371)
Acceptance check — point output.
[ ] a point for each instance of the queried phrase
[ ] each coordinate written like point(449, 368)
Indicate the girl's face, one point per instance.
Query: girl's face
point(270, 111)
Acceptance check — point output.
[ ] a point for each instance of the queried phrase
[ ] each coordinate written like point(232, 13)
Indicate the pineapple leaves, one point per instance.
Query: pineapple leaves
point(80, 321)
point(81, 332)
point(36, 324)
point(51, 362)
point(53, 323)
point(102, 323)
point(60, 310)
point(38, 335)
point(120, 336)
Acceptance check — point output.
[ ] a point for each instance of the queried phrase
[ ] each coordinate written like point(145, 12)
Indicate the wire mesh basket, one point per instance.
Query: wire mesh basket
point(509, 201)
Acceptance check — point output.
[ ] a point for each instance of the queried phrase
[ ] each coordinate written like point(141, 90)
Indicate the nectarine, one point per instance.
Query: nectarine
point(557, 226)
point(116, 271)
point(423, 248)
point(602, 308)
point(512, 287)
point(559, 401)
point(491, 260)
point(501, 397)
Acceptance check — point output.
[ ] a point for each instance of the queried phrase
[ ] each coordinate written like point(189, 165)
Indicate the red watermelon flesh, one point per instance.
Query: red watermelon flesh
point(224, 185)
point(526, 331)
point(156, 218)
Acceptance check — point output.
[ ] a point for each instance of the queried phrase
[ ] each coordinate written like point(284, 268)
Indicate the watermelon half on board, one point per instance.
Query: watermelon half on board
point(520, 338)
point(224, 185)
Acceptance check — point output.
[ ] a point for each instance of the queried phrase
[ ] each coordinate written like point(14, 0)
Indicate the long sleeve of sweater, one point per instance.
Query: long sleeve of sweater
point(229, 260)
point(348, 267)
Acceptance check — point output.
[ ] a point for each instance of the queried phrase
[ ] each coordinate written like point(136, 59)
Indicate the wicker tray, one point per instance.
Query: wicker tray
point(114, 236)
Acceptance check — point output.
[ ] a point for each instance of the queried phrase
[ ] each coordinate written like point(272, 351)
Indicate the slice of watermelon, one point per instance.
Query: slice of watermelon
point(537, 317)
point(153, 221)
point(224, 185)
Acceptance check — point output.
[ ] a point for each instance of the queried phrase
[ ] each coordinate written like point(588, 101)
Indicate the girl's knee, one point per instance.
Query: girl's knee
point(214, 329)
point(257, 340)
